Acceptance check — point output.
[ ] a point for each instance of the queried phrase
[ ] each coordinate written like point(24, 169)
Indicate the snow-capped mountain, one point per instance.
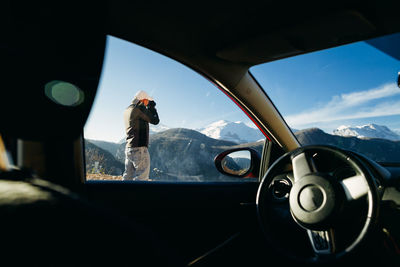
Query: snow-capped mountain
point(237, 132)
point(367, 131)
point(158, 128)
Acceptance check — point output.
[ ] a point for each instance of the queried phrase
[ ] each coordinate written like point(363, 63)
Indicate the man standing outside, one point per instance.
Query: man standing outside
point(137, 117)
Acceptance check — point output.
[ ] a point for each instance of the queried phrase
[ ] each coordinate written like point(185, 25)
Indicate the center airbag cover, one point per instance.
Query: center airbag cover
point(313, 201)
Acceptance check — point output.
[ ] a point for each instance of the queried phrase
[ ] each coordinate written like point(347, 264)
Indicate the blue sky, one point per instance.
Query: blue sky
point(183, 97)
point(350, 85)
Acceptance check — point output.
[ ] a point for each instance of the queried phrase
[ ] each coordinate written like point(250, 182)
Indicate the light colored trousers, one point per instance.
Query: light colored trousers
point(137, 163)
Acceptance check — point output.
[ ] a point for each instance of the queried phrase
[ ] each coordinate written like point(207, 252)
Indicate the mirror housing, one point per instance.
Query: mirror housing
point(239, 162)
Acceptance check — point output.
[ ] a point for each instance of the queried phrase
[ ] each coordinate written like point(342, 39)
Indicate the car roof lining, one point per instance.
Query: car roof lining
point(311, 35)
point(254, 33)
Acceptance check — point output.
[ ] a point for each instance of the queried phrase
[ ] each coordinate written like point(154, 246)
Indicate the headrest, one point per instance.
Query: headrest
point(51, 64)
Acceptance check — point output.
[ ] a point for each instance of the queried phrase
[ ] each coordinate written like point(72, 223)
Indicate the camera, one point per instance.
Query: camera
point(152, 104)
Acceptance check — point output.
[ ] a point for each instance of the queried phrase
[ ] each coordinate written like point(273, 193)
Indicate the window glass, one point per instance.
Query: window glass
point(346, 96)
point(195, 121)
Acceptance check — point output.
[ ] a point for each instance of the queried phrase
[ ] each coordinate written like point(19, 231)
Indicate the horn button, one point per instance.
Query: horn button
point(314, 200)
point(311, 198)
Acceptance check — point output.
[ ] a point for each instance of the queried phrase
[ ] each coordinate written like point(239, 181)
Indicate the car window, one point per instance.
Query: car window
point(189, 121)
point(346, 96)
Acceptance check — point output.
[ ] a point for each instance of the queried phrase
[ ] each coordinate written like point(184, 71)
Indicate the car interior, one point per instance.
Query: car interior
point(52, 216)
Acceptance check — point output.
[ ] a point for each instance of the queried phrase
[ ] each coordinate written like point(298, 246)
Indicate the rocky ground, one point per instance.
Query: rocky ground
point(99, 176)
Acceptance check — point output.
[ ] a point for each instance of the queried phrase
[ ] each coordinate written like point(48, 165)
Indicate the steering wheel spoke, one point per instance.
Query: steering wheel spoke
point(355, 187)
point(302, 164)
point(322, 242)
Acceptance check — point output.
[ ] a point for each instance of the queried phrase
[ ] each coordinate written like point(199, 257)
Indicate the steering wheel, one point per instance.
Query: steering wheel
point(317, 203)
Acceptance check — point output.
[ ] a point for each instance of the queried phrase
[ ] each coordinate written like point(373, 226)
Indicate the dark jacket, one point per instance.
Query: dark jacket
point(137, 118)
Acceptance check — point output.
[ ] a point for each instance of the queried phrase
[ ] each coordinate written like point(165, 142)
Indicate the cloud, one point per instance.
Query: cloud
point(357, 98)
point(351, 106)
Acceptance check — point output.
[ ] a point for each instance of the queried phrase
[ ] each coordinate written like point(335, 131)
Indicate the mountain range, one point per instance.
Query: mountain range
point(237, 132)
point(367, 131)
point(175, 154)
point(378, 149)
point(184, 154)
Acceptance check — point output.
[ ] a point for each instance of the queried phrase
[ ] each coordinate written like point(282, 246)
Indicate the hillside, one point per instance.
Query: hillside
point(99, 160)
point(108, 146)
point(381, 150)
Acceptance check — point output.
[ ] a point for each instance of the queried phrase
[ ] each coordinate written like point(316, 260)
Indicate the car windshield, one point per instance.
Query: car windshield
point(346, 96)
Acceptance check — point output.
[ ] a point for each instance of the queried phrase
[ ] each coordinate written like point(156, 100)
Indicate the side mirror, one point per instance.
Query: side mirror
point(239, 162)
point(398, 79)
